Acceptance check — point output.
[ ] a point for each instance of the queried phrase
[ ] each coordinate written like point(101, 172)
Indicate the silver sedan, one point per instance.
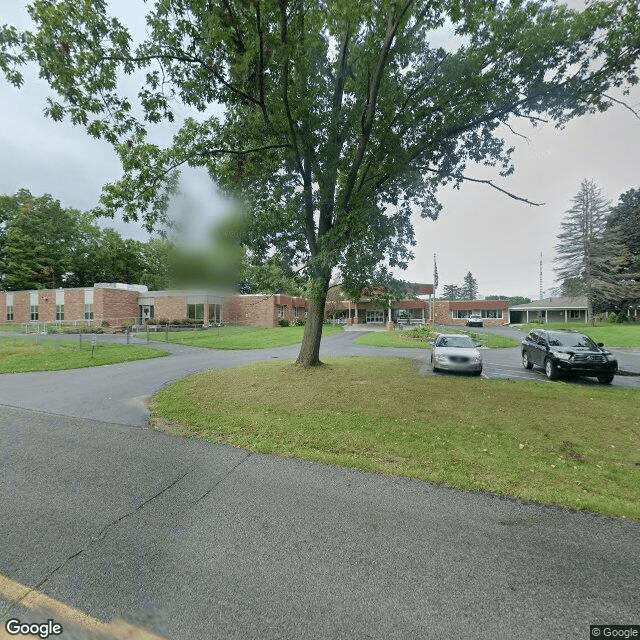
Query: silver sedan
point(453, 352)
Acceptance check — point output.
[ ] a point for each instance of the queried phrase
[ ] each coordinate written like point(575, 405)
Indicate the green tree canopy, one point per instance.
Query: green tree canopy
point(341, 117)
point(37, 242)
point(45, 245)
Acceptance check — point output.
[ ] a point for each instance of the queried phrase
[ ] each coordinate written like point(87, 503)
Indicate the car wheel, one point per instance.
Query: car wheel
point(550, 369)
point(526, 363)
point(605, 378)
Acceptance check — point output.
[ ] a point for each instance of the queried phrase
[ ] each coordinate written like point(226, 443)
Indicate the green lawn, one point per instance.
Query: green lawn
point(488, 340)
point(239, 337)
point(397, 339)
point(613, 335)
point(563, 444)
point(21, 355)
point(12, 328)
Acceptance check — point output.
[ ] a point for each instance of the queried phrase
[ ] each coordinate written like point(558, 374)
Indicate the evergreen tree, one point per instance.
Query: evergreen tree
point(451, 292)
point(581, 231)
point(469, 287)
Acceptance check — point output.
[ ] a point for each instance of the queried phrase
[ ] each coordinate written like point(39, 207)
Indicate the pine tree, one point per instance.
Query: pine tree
point(581, 231)
point(469, 287)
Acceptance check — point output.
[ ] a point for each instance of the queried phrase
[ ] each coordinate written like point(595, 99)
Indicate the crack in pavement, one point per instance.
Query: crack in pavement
point(94, 539)
point(226, 475)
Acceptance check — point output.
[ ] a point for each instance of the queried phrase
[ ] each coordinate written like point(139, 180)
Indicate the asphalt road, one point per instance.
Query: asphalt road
point(201, 541)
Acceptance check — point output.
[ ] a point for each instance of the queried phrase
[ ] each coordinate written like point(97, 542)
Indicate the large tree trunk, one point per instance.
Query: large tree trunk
point(309, 355)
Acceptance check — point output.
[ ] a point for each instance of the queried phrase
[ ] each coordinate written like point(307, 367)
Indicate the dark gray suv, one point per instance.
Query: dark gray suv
point(568, 352)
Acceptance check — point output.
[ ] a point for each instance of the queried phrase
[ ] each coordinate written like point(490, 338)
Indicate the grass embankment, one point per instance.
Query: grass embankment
point(19, 356)
point(404, 339)
point(567, 445)
point(238, 337)
point(612, 335)
point(397, 339)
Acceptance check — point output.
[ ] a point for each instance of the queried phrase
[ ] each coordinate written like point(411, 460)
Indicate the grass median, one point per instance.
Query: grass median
point(404, 339)
point(562, 444)
point(612, 335)
point(20, 356)
point(229, 337)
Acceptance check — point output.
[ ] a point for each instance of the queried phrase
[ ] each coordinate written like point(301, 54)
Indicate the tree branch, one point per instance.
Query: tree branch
point(263, 106)
point(372, 99)
point(460, 176)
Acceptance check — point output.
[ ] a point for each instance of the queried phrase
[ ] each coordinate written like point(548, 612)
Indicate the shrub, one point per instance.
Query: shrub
point(283, 322)
point(613, 317)
point(622, 317)
point(300, 322)
point(104, 323)
point(421, 332)
point(51, 329)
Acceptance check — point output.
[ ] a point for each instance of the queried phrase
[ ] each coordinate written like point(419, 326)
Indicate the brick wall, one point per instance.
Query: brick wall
point(259, 311)
point(46, 305)
point(115, 306)
point(443, 309)
point(74, 305)
point(170, 308)
point(21, 306)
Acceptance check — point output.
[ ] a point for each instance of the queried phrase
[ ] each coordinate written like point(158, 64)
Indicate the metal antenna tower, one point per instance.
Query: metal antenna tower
point(541, 275)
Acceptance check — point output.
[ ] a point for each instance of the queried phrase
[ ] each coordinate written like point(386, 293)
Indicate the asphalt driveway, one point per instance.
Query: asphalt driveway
point(203, 541)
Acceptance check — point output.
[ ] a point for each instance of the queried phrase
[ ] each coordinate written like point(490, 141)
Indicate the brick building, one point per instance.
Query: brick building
point(116, 303)
point(494, 313)
point(415, 309)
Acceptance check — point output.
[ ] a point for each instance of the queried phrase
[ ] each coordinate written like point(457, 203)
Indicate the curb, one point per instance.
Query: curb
point(621, 372)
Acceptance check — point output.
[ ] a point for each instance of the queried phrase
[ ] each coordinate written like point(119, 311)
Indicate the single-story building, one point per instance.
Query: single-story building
point(415, 309)
point(561, 309)
point(115, 304)
point(494, 313)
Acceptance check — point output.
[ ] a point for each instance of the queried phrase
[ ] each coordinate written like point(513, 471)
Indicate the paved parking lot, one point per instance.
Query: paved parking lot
point(507, 363)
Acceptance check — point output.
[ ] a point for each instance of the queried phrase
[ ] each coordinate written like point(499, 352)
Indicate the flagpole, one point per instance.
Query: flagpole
point(433, 295)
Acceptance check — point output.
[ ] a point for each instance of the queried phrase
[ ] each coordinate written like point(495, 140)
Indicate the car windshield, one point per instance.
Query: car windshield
point(559, 339)
point(462, 342)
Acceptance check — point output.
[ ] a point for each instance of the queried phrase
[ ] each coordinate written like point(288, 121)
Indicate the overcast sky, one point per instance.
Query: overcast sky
point(480, 230)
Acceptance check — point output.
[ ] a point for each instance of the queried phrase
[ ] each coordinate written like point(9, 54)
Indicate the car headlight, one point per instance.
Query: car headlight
point(563, 356)
point(440, 358)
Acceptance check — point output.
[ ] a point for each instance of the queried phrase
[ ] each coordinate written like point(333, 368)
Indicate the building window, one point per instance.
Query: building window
point(574, 314)
point(299, 312)
point(281, 310)
point(33, 312)
point(492, 313)
point(460, 313)
point(10, 312)
point(88, 311)
point(375, 315)
point(195, 312)
point(215, 313)
point(59, 312)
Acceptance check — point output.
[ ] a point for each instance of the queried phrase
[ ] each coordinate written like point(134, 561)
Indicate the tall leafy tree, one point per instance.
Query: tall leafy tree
point(341, 117)
point(37, 243)
point(469, 290)
point(581, 231)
